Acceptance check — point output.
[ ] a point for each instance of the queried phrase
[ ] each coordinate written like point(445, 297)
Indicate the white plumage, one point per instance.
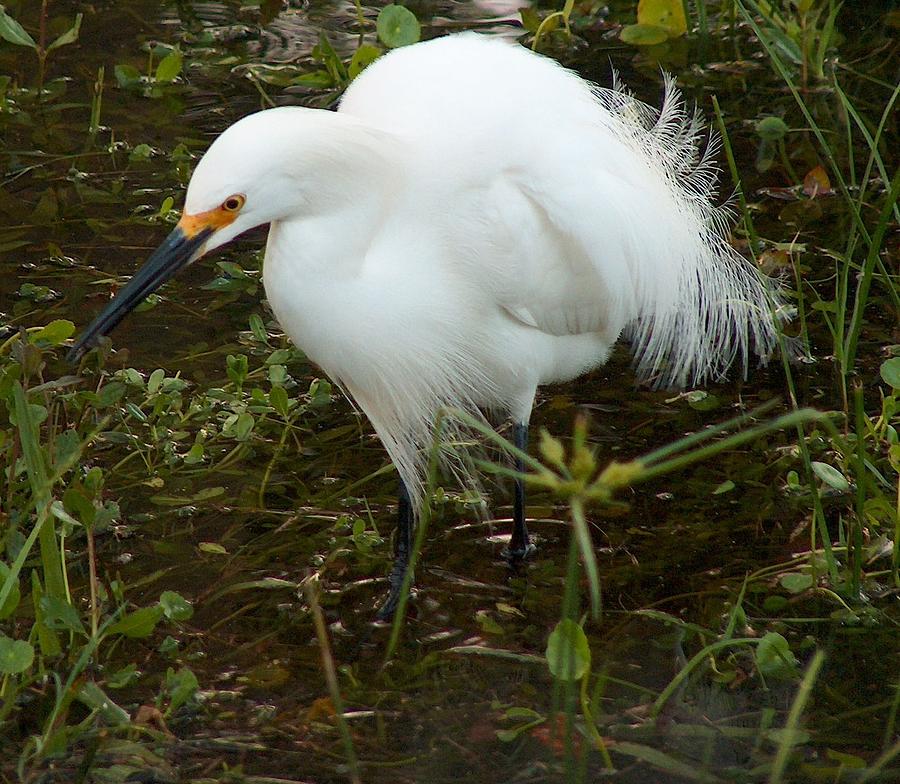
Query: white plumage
point(476, 221)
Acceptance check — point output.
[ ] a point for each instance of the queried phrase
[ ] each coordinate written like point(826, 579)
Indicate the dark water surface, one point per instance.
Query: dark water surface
point(76, 213)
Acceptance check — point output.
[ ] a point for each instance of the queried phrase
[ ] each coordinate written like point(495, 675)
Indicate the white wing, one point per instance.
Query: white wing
point(590, 211)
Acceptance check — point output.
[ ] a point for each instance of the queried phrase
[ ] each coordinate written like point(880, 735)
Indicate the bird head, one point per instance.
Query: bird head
point(252, 174)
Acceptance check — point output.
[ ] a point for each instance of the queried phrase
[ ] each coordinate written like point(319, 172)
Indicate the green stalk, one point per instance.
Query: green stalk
point(865, 281)
point(38, 477)
point(331, 680)
point(791, 726)
point(735, 176)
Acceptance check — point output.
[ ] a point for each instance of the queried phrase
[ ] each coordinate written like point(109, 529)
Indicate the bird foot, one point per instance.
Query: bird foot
point(515, 555)
point(386, 611)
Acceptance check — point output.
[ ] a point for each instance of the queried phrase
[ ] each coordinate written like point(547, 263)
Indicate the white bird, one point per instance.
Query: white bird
point(475, 221)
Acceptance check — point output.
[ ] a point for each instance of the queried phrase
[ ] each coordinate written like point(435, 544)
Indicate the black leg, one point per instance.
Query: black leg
point(402, 549)
point(519, 546)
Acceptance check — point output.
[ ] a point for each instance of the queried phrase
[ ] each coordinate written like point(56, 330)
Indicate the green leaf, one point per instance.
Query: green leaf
point(666, 14)
point(175, 606)
point(774, 657)
point(59, 615)
point(726, 487)
point(643, 35)
point(397, 26)
point(568, 652)
point(702, 401)
point(110, 394)
point(156, 378)
point(243, 426)
point(127, 676)
point(68, 37)
point(846, 760)
point(508, 736)
point(182, 686)
point(139, 623)
point(517, 713)
point(66, 449)
point(365, 55)
point(771, 129)
point(890, 372)
point(96, 699)
point(487, 623)
point(830, 476)
point(237, 368)
point(13, 32)
point(258, 328)
point(127, 75)
point(15, 655)
point(54, 333)
point(796, 582)
point(170, 66)
point(278, 399)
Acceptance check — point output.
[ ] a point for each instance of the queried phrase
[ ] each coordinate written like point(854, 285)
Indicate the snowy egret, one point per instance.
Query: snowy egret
point(473, 222)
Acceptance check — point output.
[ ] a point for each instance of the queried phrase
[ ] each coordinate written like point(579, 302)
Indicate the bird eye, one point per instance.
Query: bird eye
point(233, 203)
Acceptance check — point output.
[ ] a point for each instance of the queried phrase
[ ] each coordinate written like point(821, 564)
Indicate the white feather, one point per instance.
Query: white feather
point(476, 221)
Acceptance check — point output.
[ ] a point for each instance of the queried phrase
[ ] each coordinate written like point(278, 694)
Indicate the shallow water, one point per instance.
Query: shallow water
point(75, 214)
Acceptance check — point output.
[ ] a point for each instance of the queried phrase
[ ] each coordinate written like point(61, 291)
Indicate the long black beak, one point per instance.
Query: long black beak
point(175, 252)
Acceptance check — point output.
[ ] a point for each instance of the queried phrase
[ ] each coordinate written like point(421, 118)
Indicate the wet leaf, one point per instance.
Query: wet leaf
point(774, 657)
point(816, 182)
point(890, 372)
point(155, 380)
point(13, 32)
point(796, 582)
point(170, 66)
point(243, 426)
point(175, 606)
point(127, 75)
point(771, 129)
point(59, 615)
point(830, 476)
point(278, 399)
point(397, 26)
point(665, 14)
point(531, 19)
point(15, 655)
point(54, 333)
point(846, 760)
point(487, 623)
point(362, 57)
point(643, 35)
point(702, 401)
point(182, 686)
point(68, 37)
point(127, 676)
point(568, 653)
point(139, 623)
point(96, 699)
